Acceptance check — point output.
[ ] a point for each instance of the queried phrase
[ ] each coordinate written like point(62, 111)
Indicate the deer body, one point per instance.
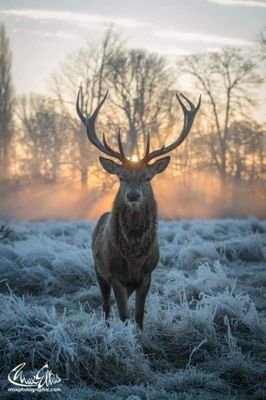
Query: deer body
point(124, 242)
point(126, 251)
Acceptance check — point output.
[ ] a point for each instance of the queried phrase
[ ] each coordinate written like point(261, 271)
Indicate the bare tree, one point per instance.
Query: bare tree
point(6, 101)
point(226, 80)
point(44, 136)
point(142, 83)
point(247, 149)
point(87, 67)
point(262, 44)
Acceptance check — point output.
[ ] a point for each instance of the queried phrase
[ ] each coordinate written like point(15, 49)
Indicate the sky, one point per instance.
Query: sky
point(42, 33)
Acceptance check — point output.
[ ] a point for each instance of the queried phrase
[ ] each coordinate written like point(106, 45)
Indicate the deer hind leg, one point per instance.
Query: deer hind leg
point(120, 292)
point(141, 294)
point(105, 288)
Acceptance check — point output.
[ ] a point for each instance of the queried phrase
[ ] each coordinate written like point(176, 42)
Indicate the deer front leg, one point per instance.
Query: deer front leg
point(105, 287)
point(120, 292)
point(141, 294)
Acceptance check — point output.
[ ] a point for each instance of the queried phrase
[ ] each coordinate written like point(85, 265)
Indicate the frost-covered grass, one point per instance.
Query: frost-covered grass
point(204, 334)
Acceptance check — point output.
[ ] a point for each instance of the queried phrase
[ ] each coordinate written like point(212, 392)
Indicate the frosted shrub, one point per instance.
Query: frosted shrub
point(79, 346)
point(204, 335)
point(109, 355)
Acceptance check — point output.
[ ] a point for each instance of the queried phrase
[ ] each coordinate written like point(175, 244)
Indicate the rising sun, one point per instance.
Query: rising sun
point(134, 158)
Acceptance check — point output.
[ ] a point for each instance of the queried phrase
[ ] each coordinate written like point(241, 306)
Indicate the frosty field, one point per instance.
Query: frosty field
point(204, 328)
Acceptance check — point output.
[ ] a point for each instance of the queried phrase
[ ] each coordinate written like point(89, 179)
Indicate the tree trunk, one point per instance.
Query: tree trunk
point(84, 177)
point(132, 146)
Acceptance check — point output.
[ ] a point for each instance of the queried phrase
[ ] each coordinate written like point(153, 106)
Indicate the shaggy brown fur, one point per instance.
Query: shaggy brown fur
point(125, 245)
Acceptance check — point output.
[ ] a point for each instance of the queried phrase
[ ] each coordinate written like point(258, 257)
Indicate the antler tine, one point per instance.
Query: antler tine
point(190, 102)
point(122, 154)
point(89, 122)
point(106, 145)
point(147, 150)
point(199, 103)
point(189, 116)
point(181, 103)
point(120, 145)
point(79, 112)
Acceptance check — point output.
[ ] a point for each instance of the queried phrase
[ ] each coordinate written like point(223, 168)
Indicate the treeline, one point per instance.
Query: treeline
point(43, 141)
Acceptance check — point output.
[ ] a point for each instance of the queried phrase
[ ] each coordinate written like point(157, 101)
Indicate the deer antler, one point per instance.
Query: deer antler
point(189, 116)
point(89, 122)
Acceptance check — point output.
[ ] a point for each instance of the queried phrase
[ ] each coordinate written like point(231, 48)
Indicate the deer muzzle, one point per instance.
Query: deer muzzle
point(133, 196)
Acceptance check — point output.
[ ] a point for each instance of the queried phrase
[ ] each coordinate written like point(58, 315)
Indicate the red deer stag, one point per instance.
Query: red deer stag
point(124, 242)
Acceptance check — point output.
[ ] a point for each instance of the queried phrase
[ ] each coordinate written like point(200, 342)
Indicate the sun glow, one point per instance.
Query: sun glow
point(134, 158)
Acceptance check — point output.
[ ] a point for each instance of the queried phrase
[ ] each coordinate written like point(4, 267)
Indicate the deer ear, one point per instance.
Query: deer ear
point(110, 166)
point(159, 166)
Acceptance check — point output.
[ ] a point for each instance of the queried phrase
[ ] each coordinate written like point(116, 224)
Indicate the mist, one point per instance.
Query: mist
point(201, 197)
point(50, 170)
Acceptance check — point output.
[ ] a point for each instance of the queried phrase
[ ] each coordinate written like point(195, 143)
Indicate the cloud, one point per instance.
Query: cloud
point(47, 34)
point(171, 51)
point(214, 50)
point(82, 19)
point(245, 3)
point(61, 35)
point(57, 34)
point(202, 38)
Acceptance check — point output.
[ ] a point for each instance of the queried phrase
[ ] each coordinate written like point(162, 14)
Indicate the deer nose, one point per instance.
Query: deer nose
point(133, 195)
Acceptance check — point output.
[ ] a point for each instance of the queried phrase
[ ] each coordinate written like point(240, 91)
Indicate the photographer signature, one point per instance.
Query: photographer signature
point(43, 378)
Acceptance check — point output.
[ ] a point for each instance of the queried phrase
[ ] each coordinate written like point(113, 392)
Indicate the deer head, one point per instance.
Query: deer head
point(135, 176)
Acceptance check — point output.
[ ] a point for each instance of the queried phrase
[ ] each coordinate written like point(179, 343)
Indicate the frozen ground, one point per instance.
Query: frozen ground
point(204, 334)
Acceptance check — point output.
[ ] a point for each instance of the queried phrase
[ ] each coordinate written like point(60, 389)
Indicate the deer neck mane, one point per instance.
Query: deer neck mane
point(134, 228)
